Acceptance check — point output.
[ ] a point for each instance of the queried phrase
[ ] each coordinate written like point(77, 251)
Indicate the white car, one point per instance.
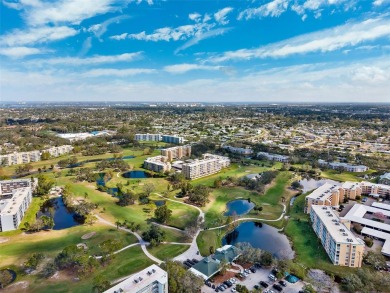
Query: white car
point(234, 290)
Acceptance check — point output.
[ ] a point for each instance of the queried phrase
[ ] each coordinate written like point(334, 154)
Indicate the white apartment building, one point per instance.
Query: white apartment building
point(274, 157)
point(210, 164)
point(224, 161)
point(153, 279)
point(148, 137)
point(177, 152)
point(344, 166)
point(18, 158)
point(157, 164)
point(341, 245)
point(59, 151)
point(241, 151)
point(172, 139)
point(15, 198)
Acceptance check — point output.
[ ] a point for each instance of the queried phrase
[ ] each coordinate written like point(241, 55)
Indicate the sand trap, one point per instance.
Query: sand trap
point(83, 245)
point(3, 240)
point(88, 235)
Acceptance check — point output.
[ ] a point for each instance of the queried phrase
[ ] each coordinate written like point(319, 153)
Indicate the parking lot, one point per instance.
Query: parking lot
point(254, 278)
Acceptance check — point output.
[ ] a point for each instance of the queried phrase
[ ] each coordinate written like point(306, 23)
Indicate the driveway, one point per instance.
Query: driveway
point(253, 279)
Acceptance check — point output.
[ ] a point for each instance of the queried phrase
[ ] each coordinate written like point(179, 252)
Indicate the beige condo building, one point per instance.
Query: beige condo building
point(342, 247)
point(176, 152)
point(157, 164)
point(210, 164)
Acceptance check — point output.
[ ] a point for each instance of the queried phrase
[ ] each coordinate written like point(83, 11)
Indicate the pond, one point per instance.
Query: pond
point(310, 184)
point(136, 174)
point(159, 203)
point(261, 236)
point(62, 216)
point(238, 207)
point(12, 276)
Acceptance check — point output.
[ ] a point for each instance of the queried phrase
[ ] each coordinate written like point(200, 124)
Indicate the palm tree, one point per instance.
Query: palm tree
point(117, 223)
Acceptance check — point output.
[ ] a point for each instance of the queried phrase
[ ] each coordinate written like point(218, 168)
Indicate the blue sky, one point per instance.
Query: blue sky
point(195, 50)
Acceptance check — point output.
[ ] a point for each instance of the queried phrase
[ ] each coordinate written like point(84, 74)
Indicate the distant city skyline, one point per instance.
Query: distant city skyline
point(262, 51)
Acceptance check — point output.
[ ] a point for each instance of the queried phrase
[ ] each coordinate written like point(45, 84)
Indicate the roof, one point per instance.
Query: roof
point(380, 205)
point(139, 280)
point(207, 267)
point(385, 176)
point(338, 231)
point(227, 253)
point(323, 191)
point(357, 212)
point(380, 235)
point(11, 205)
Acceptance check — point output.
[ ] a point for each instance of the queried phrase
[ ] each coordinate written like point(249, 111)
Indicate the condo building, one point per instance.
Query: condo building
point(274, 157)
point(345, 166)
point(210, 164)
point(59, 151)
point(157, 164)
point(174, 139)
point(153, 279)
point(241, 151)
point(148, 137)
point(342, 247)
point(333, 195)
point(15, 198)
point(176, 152)
point(18, 158)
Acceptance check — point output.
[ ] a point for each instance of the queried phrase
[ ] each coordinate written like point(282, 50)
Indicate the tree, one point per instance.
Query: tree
point(212, 250)
point(45, 156)
point(148, 188)
point(47, 221)
point(180, 280)
point(154, 234)
point(44, 185)
point(109, 246)
point(266, 259)
point(100, 284)
point(90, 219)
point(376, 259)
point(242, 288)
point(117, 223)
point(33, 261)
point(296, 185)
point(162, 214)
point(126, 199)
point(5, 278)
point(199, 195)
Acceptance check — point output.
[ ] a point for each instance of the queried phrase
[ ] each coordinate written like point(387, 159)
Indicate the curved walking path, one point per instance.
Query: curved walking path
point(252, 219)
point(142, 242)
point(192, 252)
point(120, 250)
point(168, 227)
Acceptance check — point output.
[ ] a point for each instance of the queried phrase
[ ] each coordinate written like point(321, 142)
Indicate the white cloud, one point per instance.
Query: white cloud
point(332, 82)
point(19, 52)
point(274, 8)
point(119, 37)
point(348, 35)
point(101, 28)
point(100, 59)
point(185, 67)
point(380, 2)
point(68, 11)
point(194, 16)
point(37, 35)
point(202, 36)
point(118, 72)
point(221, 15)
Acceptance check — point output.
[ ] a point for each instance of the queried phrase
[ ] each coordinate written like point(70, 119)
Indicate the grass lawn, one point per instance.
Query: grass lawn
point(344, 176)
point(125, 263)
point(168, 251)
point(174, 236)
point(308, 248)
point(209, 238)
point(50, 243)
point(270, 201)
point(234, 170)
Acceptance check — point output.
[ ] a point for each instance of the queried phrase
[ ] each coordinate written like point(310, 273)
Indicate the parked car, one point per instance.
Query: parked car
point(272, 277)
point(264, 284)
point(283, 283)
point(277, 287)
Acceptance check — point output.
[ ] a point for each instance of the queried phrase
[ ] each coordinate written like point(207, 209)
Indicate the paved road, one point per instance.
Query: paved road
point(141, 242)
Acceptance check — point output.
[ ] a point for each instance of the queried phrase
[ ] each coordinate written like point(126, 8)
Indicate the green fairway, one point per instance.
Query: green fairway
point(168, 251)
point(50, 243)
point(344, 176)
point(209, 238)
point(125, 263)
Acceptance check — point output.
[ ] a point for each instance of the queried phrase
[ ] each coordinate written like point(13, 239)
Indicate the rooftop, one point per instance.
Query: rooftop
point(339, 232)
point(323, 191)
point(11, 205)
point(358, 211)
point(140, 280)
